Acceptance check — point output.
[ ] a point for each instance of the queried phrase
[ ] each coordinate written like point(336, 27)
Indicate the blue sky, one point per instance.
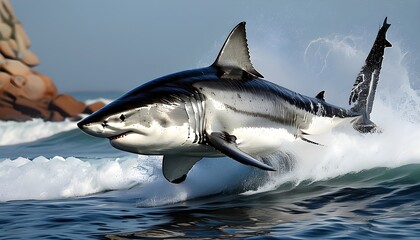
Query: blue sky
point(102, 45)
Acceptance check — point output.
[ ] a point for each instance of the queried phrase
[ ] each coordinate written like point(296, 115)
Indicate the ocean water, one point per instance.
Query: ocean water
point(58, 183)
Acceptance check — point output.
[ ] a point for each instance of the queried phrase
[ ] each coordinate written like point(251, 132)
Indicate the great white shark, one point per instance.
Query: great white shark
point(227, 109)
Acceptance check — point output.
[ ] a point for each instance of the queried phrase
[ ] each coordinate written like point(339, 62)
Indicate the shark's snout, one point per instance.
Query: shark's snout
point(81, 124)
point(86, 125)
point(96, 129)
point(103, 127)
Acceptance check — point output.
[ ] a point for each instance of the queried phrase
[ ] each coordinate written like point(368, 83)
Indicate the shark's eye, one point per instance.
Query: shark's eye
point(105, 124)
point(122, 117)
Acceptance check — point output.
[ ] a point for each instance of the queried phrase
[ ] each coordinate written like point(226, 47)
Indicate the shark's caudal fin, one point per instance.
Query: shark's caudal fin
point(363, 91)
point(233, 58)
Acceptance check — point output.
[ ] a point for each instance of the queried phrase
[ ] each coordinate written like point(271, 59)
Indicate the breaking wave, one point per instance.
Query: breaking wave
point(12, 132)
point(19, 132)
point(345, 152)
point(59, 177)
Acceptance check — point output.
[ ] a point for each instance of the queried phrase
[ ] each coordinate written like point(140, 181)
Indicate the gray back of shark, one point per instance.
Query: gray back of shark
point(226, 109)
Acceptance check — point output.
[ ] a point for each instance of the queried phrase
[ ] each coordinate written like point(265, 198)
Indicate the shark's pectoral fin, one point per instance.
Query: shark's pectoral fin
point(309, 141)
point(176, 167)
point(226, 144)
point(302, 135)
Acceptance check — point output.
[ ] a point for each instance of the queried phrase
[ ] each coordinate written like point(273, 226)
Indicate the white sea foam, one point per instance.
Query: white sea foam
point(104, 100)
point(210, 176)
point(12, 132)
point(19, 132)
point(59, 177)
point(396, 111)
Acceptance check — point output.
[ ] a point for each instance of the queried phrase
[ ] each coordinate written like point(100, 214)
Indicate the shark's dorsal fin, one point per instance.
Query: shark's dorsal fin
point(234, 57)
point(320, 96)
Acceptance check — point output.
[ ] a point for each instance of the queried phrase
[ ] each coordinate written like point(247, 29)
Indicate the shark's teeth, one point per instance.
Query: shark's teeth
point(118, 136)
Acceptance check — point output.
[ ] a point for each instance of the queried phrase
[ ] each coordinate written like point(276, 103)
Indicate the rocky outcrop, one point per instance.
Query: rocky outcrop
point(24, 92)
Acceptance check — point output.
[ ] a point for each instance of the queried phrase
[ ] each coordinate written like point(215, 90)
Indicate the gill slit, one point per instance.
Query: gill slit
point(194, 107)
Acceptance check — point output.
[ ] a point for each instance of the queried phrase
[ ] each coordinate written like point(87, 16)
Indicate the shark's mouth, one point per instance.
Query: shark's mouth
point(119, 136)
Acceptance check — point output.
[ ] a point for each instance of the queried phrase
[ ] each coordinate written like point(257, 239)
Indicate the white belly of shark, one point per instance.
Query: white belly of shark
point(156, 141)
point(254, 134)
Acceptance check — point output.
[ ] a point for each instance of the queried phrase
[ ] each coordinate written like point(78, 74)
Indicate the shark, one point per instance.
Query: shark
point(228, 109)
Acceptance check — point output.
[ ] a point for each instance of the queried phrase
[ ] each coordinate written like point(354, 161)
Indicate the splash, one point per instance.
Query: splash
point(59, 177)
point(20, 132)
point(208, 177)
point(396, 111)
point(323, 49)
point(104, 100)
point(56, 178)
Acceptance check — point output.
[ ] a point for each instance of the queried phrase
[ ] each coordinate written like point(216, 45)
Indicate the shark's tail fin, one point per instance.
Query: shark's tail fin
point(363, 91)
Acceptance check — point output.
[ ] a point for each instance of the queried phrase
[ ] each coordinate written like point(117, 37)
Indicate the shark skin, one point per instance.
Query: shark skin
point(226, 109)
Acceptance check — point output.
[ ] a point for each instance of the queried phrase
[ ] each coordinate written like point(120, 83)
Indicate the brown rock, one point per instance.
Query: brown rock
point(12, 91)
point(7, 97)
point(50, 88)
point(4, 13)
point(8, 7)
point(34, 88)
point(55, 117)
point(5, 30)
point(31, 108)
point(67, 106)
point(6, 50)
point(15, 67)
point(20, 31)
point(4, 80)
point(18, 81)
point(13, 45)
point(29, 58)
point(4, 102)
point(20, 45)
point(93, 107)
point(10, 114)
point(2, 60)
point(25, 93)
